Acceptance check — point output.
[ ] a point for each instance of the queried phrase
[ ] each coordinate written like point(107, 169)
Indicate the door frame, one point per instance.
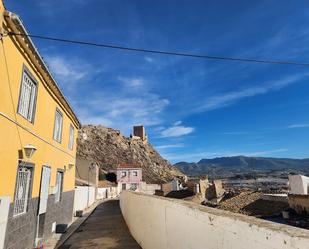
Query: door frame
point(39, 204)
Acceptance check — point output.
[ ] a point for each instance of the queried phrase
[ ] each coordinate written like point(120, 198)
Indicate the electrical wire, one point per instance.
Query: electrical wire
point(163, 52)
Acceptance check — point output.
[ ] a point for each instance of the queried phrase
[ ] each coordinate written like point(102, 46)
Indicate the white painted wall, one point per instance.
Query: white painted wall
point(158, 222)
point(149, 188)
point(102, 193)
point(84, 197)
point(275, 197)
point(4, 212)
point(109, 192)
point(298, 184)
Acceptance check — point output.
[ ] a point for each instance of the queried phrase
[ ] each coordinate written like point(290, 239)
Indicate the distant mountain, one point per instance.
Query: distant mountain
point(239, 164)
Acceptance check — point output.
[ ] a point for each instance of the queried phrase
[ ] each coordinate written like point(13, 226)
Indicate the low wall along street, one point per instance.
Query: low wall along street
point(84, 197)
point(159, 222)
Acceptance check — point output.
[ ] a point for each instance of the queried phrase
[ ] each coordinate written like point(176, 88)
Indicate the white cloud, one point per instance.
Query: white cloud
point(178, 123)
point(66, 70)
point(132, 82)
point(168, 146)
point(225, 99)
point(295, 126)
point(148, 59)
point(176, 131)
point(121, 110)
point(235, 133)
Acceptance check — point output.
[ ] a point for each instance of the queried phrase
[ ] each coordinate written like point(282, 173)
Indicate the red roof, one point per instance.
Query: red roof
point(128, 166)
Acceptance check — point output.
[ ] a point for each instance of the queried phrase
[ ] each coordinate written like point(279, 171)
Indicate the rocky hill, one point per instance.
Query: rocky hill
point(109, 147)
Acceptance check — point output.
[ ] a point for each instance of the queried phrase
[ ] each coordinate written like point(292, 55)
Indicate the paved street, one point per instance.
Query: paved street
point(104, 229)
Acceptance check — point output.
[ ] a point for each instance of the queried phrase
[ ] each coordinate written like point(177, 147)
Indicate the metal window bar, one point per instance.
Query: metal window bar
point(22, 190)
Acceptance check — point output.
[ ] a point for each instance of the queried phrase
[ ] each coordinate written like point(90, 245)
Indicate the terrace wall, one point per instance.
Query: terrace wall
point(158, 222)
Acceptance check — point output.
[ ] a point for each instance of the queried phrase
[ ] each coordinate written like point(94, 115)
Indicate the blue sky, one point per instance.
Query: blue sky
point(192, 108)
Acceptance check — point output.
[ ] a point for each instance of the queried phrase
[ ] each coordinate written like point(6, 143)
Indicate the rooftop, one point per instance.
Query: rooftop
point(128, 166)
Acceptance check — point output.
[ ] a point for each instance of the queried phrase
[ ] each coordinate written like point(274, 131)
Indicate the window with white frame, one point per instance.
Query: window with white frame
point(71, 137)
point(123, 173)
point(59, 186)
point(22, 189)
point(58, 126)
point(134, 173)
point(27, 96)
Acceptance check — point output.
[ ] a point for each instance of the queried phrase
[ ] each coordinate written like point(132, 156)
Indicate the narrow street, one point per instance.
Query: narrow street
point(104, 229)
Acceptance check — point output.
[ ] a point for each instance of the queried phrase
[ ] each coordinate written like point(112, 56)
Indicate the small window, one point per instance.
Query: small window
point(22, 189)
point(71, 137)
point(133, 186)
point(124, 186)
point(27, 96)
point(58, 126)
point(123, 173)
point(59, 186)
point(134, 173)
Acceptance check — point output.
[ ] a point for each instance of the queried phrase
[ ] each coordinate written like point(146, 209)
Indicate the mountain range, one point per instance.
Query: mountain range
point(241, 164)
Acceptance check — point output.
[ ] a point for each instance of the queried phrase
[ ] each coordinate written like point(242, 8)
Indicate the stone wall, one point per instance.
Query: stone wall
point(60, 212)
point(300, 203)
point(21, 230)
point(165, 223)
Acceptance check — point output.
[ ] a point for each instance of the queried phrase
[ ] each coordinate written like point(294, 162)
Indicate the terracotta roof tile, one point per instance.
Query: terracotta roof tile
point(128, 166)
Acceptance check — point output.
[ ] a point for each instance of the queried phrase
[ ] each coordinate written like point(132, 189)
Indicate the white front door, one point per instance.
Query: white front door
point(44, 189)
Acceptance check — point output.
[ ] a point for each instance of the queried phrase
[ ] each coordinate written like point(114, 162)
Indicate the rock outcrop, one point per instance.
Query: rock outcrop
point(109, 147)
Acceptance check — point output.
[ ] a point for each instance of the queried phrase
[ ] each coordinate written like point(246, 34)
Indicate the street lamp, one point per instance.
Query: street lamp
point(29, 150)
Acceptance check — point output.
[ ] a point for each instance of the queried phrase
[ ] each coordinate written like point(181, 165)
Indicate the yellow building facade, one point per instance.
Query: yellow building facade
point(38, 134)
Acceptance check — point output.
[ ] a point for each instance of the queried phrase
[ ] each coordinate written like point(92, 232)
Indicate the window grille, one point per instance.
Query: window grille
point(22, 190)
point(26, 105)
point(58, 126)
point(71, 137)
point(59, 184)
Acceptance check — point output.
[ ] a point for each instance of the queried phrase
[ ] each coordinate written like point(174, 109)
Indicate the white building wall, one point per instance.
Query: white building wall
point(149, 188)
point(158, 222)
point(102, 193)
point(84, 197)
point(298, 184)
point(109, 192)
point(4, 212)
